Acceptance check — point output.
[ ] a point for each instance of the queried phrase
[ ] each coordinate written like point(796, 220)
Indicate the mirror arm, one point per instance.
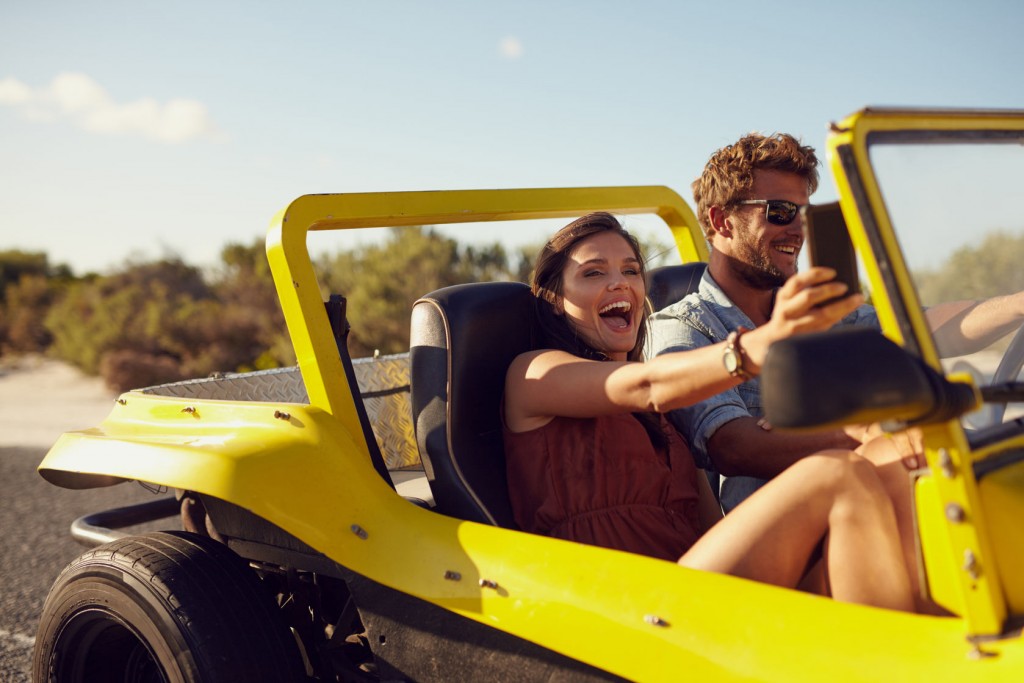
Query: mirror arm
point(1005, 392)
point(952, 399)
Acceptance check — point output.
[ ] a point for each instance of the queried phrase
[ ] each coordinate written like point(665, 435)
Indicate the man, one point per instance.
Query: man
point(748, 200)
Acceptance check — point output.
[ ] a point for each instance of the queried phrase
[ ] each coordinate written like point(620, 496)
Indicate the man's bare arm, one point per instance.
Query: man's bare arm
point(743, 447)
point(963, 327)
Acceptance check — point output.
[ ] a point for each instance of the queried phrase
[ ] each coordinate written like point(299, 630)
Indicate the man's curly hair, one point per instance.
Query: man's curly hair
point(729, 174)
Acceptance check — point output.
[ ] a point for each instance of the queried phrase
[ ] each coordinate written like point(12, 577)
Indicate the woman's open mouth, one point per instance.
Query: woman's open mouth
point(617, 315)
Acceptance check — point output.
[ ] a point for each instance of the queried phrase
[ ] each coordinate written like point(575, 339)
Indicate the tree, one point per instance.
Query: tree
point(989, 269)
point(162, 321)
point(16, 264)
point(28, 287)
point(23, 314)
point(245, 286)
point(381, 282)
point(138, 312)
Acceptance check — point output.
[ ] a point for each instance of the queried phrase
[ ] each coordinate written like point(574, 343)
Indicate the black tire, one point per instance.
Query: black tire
point(166, 606)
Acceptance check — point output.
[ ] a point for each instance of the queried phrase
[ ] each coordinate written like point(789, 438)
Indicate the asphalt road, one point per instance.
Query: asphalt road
point(36, 544)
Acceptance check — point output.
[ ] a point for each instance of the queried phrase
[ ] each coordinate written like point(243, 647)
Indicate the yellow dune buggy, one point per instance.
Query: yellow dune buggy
point(348, 519)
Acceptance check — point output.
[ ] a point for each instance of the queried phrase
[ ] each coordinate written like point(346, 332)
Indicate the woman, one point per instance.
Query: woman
point(590, 459)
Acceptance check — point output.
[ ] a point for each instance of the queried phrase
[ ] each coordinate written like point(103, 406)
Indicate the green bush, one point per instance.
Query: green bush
point(381, 282)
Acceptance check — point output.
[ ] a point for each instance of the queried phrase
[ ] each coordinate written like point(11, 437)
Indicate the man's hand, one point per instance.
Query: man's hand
point(748, 446)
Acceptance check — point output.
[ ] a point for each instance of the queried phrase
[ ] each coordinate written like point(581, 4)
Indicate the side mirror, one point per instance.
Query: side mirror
point(855, 376)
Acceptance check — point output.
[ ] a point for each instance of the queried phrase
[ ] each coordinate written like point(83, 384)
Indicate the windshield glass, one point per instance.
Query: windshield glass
point(954, 205)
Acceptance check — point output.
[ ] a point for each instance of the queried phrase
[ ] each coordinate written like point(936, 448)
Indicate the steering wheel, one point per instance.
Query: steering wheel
point(1008, 369)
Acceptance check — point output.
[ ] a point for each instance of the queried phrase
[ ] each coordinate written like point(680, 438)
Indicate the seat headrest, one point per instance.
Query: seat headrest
point(668, 284)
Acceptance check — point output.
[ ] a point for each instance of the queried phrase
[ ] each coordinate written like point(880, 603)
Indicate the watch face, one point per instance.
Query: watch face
point(730, 360)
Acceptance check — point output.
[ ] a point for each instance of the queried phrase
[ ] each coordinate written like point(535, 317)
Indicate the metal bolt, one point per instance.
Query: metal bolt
point(359, 531)
point(971, 564)
point(977, 653)
point(281, 415)
point(955, 513)
point(452, 576)
point(946, 464)
point(487, 583)
point(655, 621)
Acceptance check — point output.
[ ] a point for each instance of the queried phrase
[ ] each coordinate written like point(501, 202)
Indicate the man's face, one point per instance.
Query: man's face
point(765, 255)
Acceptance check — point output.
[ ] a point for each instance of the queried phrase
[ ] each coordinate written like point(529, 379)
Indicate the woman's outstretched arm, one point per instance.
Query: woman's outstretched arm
point(542, 384)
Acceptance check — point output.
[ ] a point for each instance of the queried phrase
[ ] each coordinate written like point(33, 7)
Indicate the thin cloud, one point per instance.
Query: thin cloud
point(511, 47)
point(77, 98)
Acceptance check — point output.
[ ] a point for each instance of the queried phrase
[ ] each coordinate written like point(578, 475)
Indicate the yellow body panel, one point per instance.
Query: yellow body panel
point(308, 472)
point(936, 549)
point(978, 584)
point(1002, 502)
point(304, 474)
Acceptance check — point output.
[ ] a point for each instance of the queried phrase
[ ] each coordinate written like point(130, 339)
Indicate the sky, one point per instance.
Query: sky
point(137, 130)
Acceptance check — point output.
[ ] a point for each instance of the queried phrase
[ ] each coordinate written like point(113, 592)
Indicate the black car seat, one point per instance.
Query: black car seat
point(462, 340)
point(668, 284)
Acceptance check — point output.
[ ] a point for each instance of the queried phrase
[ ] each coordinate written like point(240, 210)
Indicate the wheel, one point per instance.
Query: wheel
point(984, 416)
point(167, 606)
point(1009, 368)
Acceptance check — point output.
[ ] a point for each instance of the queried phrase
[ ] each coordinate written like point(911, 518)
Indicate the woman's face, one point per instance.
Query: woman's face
point(603, 293)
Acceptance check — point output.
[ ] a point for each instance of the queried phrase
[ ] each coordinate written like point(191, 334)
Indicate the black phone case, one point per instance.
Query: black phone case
point(828, 244)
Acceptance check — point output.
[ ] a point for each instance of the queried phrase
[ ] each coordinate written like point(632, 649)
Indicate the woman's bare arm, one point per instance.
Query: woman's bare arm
point(542, 384)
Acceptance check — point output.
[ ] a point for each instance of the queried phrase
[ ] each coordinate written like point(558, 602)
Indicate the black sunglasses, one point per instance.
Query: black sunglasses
point(777, 211)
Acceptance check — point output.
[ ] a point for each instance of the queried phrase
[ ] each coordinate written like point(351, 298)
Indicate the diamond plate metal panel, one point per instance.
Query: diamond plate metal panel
point(383, 384)
point(280, 385)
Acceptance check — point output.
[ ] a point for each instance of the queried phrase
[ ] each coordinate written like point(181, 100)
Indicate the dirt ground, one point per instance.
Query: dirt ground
point(44, 398)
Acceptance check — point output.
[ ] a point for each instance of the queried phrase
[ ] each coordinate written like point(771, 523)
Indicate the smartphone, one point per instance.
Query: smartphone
point(828, 244)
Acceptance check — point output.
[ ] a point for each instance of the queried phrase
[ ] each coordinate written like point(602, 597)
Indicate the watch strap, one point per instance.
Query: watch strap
point(735, 346)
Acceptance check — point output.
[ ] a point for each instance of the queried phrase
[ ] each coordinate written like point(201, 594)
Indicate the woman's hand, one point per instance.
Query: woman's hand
point(864, 433)
point(906, 446)
point(798, 311)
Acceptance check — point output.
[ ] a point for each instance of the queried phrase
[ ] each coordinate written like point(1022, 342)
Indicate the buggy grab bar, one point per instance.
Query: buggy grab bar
point(100, 527)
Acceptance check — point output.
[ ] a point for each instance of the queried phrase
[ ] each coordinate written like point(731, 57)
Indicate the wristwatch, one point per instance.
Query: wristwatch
point(733, 356)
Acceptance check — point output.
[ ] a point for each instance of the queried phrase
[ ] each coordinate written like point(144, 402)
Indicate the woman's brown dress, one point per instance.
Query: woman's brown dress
point(601, 481)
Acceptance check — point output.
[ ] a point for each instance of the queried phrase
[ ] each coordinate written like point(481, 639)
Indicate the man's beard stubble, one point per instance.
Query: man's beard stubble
point(755, 268)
